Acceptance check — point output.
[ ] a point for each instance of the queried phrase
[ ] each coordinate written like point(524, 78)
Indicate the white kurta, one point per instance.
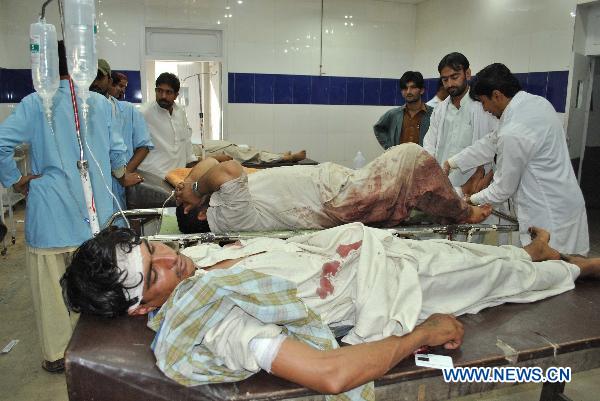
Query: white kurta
point(383, 287)
point(172, 138)
point(451, 130)
point(534, 169)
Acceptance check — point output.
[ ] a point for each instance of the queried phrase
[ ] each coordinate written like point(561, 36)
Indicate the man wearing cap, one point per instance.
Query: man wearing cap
point(132, 126)
point(169, 129)
point(275, 304)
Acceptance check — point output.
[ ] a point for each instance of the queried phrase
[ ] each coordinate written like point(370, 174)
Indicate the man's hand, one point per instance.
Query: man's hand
point(184, 195)
point(477, 182)
point(22, 186)
point(130, 179)
point(440, 329)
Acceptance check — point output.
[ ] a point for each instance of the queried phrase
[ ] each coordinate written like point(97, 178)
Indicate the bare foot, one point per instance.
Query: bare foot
point(478, 213)
point(539, 248)
point(301, 155)
point(590, 267)
point(294, 157)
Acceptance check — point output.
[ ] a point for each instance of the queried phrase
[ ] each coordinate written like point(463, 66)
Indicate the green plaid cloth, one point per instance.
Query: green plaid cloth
point(200, 302)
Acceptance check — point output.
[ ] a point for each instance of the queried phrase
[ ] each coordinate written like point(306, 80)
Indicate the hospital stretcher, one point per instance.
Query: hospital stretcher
point(304, 162)
point(417, 227)
point(110, 359)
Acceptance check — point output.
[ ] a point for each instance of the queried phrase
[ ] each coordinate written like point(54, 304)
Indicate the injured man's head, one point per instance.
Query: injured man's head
point(116, 272)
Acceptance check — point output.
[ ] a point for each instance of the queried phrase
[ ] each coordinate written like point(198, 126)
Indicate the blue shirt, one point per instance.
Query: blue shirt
point(135, 134)
point(56, 214)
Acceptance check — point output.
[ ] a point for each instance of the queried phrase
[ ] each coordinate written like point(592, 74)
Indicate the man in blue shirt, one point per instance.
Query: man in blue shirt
point(56, 219)
point(133, 128)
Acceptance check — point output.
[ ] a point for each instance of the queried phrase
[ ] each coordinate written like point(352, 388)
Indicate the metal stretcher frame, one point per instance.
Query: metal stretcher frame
point(110, 359)
point(411, 231)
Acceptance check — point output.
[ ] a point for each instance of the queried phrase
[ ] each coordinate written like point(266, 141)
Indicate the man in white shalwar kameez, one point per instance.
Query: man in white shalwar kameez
point(533, 164)
point(457, 121)
point(271, 304)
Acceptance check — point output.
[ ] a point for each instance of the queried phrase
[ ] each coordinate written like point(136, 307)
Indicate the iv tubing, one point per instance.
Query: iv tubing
point(76, 113)
point(44, 8)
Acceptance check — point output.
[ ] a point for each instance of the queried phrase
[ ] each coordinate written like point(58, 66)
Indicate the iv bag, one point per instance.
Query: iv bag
point(80, 42)
point(44, 61)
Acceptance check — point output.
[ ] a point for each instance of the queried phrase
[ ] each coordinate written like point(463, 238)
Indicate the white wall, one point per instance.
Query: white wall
point(282, 36)
point(263, 36)
point(526, 35)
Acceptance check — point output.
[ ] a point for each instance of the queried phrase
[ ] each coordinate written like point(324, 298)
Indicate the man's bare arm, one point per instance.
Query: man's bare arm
point(210, 175)
point(138, 156)
point(345, 368)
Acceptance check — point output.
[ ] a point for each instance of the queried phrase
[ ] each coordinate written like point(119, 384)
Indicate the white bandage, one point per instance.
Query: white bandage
point(265, 350)
point(131, 264)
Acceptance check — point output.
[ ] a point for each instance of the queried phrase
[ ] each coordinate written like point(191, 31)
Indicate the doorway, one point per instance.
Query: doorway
point(199, 95)
point(591, 155)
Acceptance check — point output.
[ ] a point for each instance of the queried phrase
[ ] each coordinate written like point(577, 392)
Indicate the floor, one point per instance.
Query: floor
point(22, 378)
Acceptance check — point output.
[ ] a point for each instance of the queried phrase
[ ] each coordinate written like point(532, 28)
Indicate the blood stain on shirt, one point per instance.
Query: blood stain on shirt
point(344, 250)
point(329, 270)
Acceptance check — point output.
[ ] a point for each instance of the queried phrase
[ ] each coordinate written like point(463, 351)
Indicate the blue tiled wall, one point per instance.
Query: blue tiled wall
point(15, 84)
point(307, 89)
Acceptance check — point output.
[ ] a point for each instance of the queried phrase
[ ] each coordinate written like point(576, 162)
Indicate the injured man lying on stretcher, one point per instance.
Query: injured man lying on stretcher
point(227, 312)
point(225, 150)
point(220, 197)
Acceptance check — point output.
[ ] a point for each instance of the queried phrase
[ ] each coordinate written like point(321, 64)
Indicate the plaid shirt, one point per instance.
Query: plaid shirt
point(200, 302)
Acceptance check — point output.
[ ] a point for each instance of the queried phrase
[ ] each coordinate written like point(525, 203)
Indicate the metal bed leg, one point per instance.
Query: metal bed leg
point(553, 392)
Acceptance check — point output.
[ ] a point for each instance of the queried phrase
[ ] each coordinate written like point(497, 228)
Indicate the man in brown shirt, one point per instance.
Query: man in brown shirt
point(407, 123)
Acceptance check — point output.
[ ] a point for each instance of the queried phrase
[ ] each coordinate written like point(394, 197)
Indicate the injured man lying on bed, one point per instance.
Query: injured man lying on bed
point(221, 198)
point(227, 312)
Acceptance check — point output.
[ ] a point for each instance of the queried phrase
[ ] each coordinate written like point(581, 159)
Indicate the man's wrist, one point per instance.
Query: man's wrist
point(16, 183)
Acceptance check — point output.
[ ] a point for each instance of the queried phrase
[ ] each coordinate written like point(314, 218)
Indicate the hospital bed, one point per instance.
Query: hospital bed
point(110, 359)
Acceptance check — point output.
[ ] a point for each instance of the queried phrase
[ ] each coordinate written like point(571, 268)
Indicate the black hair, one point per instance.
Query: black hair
point(440, 85)
point(412, 76)
point(495, 76)
point(63, 68)
point(169, 79)
point(189, 223)
point(455, 60)
point(93, 283)
point(118, 77)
